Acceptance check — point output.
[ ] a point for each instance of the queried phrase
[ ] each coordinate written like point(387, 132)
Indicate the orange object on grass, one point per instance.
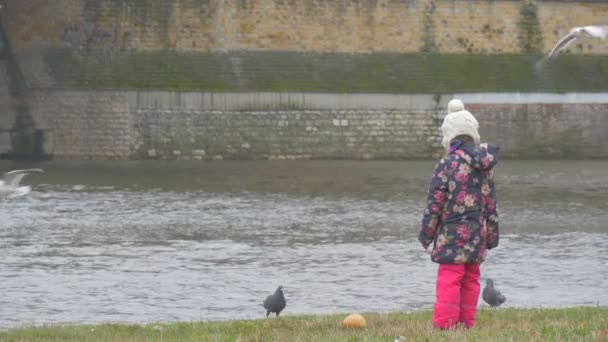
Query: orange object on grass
point(354, 321)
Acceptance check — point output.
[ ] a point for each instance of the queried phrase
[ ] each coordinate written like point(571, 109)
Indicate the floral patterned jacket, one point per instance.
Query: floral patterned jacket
point(461, 217)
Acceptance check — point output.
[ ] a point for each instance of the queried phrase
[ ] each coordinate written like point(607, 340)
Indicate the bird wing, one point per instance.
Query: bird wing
point(596, 31)
point(268, 303)
point(486, 295)
point(12, 178)
point(562, 43)
point(502, 298)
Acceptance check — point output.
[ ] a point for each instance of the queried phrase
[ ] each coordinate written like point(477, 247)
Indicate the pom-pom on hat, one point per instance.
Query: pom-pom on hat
point(458, 122)
point(455, 105)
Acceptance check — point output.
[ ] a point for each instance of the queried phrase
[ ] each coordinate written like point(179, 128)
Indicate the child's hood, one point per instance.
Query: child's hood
point(483, 157)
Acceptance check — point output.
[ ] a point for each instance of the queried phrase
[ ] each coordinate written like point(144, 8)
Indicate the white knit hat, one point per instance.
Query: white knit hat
point(458, 122)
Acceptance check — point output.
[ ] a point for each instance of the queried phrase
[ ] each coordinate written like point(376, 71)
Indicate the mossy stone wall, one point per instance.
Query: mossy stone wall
point(284, 71)
point(313, 45)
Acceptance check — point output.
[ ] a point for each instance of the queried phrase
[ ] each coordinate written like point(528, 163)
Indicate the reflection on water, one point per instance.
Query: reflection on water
point(150, 241)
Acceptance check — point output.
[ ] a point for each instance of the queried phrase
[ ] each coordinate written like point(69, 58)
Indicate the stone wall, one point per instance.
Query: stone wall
point(553, 130)
point(116, 27)
point(543, 125)
point(284, 71)
point(85, 125)
point(336, 46)
point(201, 126)
point(312, 25)
point(287, 134)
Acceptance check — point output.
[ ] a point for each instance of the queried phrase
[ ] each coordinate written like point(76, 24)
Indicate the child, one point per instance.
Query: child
point(461, 217)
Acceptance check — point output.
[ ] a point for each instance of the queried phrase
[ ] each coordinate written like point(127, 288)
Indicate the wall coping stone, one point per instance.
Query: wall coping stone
point(264, 101)
point(527, 98)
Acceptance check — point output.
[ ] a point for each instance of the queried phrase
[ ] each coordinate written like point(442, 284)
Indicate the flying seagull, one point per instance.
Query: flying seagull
point(578, 32)
point(9, 185)
point(491, 295)
point(275, 302)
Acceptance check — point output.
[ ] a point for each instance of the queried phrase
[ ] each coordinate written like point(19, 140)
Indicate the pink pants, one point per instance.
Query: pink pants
point(457, 295)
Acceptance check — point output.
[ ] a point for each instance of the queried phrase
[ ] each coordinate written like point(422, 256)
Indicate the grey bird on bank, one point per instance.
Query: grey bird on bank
point(9, 185)
point(491, 295)
point(275, 302)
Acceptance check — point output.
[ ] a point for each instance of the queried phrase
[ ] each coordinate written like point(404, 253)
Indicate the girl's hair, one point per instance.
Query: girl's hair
point(466, 139)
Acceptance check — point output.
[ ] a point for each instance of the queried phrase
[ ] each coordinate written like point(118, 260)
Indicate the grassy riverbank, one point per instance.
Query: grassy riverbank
point(574, 324)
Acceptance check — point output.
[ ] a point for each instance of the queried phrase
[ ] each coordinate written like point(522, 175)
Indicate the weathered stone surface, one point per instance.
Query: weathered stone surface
point(337, 25)
point(96, 125)
point(106, 125)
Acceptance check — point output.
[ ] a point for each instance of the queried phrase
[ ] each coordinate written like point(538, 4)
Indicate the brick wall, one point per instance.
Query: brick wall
point(287, 134)
point(315, 25)
point(546, 130)
point(201, 126)
point(85, 125)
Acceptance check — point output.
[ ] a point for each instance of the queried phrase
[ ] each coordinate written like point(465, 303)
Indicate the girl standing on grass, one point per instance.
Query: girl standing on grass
point(461, 219)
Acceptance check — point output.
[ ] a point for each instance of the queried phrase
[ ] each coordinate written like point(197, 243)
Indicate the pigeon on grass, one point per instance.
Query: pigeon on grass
point(275, 302)
point(491, 295)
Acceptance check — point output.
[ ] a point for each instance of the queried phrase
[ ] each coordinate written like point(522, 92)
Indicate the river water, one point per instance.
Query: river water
point(152, 241)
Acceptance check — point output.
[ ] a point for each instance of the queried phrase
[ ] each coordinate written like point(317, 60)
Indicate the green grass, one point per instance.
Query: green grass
point(573, 324)
point(285, 71)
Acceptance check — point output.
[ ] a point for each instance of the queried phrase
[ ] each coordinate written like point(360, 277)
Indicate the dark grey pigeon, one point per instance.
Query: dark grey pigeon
point(491, 295)
point(275, 303)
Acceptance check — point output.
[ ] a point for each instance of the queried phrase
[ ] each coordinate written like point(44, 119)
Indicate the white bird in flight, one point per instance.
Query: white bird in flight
point(9, 185)
point(599, 32)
